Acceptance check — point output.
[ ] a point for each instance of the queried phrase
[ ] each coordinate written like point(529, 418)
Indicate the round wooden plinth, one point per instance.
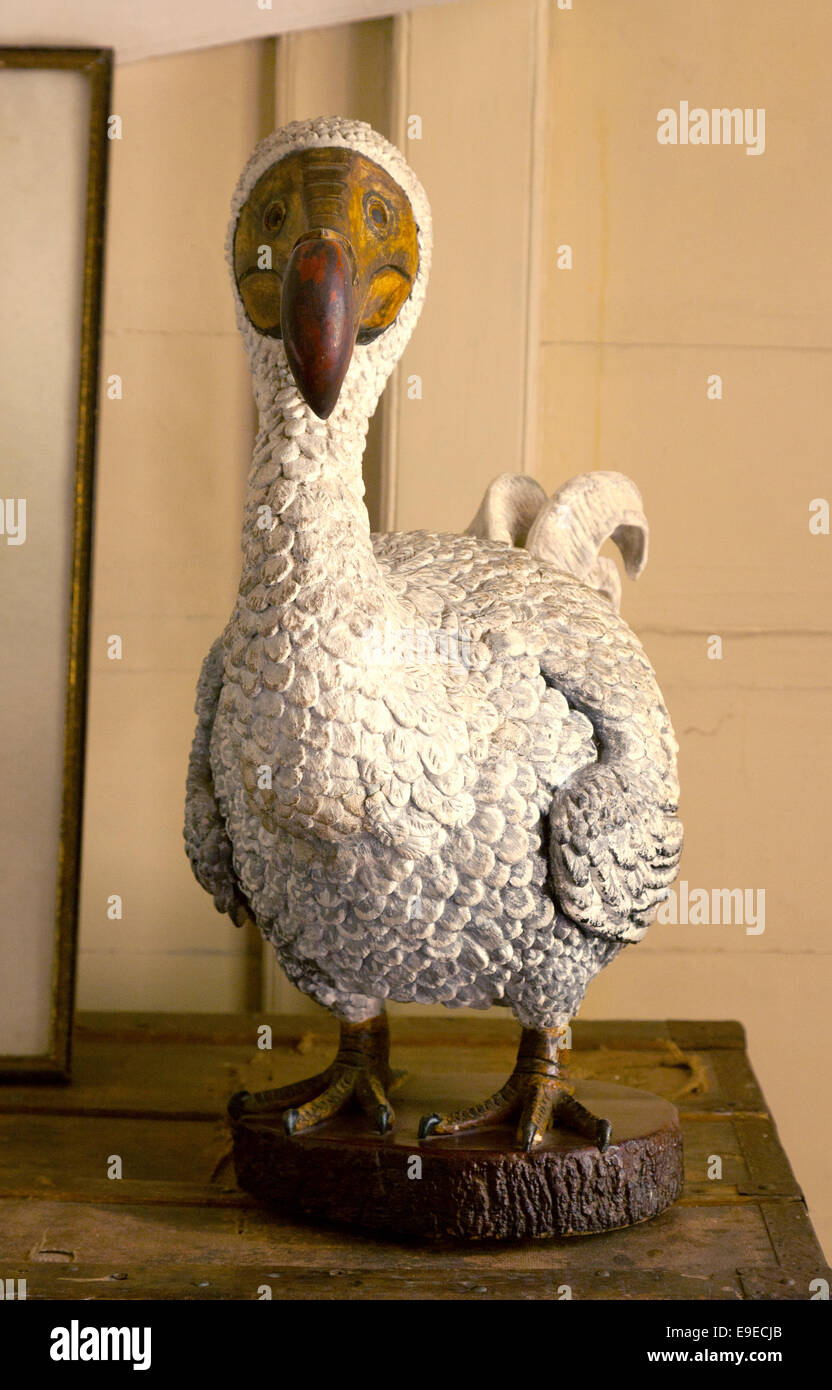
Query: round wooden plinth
point(470, 1186)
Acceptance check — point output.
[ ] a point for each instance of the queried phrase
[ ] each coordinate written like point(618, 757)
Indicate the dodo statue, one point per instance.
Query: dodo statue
point(433, 768)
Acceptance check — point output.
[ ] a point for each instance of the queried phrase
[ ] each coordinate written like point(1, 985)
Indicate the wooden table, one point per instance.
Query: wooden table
point(150, 1090)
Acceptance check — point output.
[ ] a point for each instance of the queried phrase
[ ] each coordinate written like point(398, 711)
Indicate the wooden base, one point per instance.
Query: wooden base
point(469, 1186)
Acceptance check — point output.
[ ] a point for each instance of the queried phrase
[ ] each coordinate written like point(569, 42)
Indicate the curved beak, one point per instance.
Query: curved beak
point(319, 316)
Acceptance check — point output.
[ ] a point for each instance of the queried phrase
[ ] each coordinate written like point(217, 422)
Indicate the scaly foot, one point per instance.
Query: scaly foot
point(535, 1092)
point(359, 1075)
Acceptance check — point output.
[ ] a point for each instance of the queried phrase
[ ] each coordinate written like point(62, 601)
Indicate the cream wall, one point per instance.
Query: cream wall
point(172, 462)
point(686, 262)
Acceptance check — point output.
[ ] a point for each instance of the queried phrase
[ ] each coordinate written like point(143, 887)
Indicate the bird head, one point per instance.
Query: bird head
point(329, 248)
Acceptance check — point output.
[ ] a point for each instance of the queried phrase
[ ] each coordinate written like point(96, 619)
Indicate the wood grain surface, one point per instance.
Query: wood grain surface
point(152, 1089)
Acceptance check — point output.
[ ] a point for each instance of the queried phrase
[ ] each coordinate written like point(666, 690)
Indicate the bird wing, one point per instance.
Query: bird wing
point(615, 838)
point(207, 843)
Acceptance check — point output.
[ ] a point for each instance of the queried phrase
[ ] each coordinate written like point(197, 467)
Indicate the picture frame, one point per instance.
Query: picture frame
point(54, 107)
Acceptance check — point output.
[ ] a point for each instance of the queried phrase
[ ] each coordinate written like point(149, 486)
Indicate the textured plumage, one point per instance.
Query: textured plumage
point(435, 768)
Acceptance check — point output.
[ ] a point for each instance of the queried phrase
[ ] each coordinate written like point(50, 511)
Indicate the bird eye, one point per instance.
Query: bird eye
point(274, 216)
point(377, 213)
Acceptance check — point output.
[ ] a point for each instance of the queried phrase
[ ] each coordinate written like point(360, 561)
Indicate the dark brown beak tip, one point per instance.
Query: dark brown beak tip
point(317, 319)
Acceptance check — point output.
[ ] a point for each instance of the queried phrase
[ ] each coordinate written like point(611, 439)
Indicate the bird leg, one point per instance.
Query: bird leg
point(360, 1074)
point(535, 1092)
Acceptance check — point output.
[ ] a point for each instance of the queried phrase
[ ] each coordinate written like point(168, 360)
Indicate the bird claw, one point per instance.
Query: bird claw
point(237, 1104)
point(574, 1116)
point(529, 1137)
point(530, 1132)
point(535, 1095)
point(360, 1075)
point(348, 1086)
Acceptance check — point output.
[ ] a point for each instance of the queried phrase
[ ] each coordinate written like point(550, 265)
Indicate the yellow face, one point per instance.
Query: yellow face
point(332, 191)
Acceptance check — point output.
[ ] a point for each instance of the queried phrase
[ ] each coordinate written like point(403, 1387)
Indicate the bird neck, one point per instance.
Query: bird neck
point(306, 649)
point(306, 532)
point(312, 596)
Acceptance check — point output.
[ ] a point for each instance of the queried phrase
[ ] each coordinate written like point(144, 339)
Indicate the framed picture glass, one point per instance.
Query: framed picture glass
point(54, 105)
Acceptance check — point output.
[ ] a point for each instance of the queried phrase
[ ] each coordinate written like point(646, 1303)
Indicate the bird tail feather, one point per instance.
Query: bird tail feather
point(568, 529)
